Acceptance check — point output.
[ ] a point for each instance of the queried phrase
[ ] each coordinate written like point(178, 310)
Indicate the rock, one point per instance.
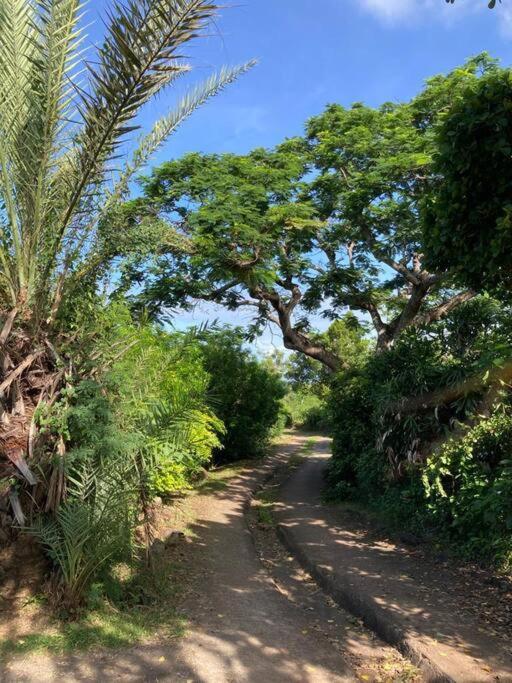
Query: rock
point(157, 501)
point(174, 537)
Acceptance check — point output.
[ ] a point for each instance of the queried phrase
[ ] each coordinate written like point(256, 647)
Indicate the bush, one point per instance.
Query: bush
point(298, 404)
point(305, 410)
point(468, 484)
point(93, 527)
point(142, 428)
point(374, 447)
point(461, 493)
point(161, 397)
point(244, 393)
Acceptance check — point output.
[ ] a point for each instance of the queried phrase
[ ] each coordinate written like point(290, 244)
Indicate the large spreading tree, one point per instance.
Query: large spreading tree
point(321, 224)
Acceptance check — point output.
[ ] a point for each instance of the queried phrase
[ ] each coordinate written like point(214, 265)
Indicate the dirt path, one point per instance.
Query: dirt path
point(407, 598)
point(241, 628)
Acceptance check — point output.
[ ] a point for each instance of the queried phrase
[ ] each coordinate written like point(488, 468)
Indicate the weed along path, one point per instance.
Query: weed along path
point(436, 612)
point(242, 626)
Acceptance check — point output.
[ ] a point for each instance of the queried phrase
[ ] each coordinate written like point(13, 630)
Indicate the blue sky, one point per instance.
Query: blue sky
point(312, 52)
point(316, 51)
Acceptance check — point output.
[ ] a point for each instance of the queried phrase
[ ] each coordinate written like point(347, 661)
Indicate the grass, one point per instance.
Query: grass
point(297, 458)
point(105, 628)
point(218, 479)
point(309, 446)
point(265, 516)
point(130, 606)
point(264, 503)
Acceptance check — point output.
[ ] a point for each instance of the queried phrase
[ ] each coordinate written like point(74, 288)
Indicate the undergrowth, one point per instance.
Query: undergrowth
point(130, 605)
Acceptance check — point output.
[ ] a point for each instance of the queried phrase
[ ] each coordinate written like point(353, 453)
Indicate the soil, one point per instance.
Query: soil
point(22, 575)
point(370, 658)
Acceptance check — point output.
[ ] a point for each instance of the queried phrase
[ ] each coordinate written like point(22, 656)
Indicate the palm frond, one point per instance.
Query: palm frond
point(138, 58)
point(167, 125)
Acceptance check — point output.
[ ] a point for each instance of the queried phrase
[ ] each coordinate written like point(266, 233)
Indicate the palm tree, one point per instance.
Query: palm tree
point(63, 120)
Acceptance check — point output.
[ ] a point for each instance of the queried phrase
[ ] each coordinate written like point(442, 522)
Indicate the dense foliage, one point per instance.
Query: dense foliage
point(394, 459)
point(140, 428)
point(468, 489)
point(468, 221)
point(245, 394)
point(105, 407)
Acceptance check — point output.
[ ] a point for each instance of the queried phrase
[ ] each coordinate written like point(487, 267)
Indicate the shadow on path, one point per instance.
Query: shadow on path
point(408, 603)
point(241, 628)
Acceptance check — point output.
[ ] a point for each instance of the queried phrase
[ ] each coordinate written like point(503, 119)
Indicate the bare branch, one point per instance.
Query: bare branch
point(444, 308)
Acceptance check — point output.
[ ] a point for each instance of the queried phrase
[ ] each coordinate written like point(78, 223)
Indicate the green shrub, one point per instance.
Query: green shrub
point(90, 531)
point(142, 428)
point(305, 409)
point(244, 393)
point(461, 493)
point(168, 477)
point(468, 484)
point(94, 525)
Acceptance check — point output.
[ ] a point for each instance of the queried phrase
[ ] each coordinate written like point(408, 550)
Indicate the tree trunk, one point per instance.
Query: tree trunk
point(28, 377)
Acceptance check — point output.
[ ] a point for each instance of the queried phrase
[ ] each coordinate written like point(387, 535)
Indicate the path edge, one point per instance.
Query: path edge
point(374, 618)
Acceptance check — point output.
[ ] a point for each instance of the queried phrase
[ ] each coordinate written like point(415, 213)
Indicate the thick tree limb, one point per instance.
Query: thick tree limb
point(444, 308)
point(477, 382)
point(216, 293)
point(294, 339)
point(411, 316)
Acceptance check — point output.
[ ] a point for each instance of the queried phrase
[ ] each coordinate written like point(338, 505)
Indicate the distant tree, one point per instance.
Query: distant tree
point(346, 337)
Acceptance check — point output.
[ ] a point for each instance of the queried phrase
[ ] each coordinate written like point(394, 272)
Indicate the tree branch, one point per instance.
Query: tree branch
point(294, 339)
point(413, 277)
point(495, 376)
point(213, 295)
point(444, 308)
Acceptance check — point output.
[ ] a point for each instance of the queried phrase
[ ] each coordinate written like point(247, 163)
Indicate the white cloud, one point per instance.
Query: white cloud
point(390, 10)
point(398, 11)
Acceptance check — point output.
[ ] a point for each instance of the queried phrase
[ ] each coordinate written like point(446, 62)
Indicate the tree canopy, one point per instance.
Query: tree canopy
point(320, 224)
point(468, 218)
